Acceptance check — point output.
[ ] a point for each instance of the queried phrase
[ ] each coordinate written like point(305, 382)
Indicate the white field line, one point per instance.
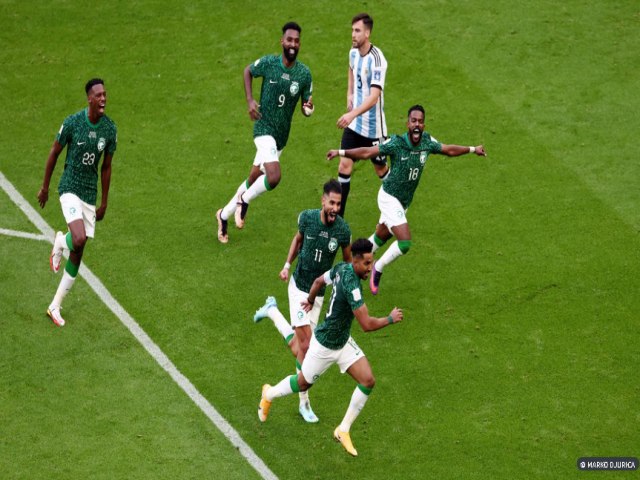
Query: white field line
point(15, 233)
point(149, 345)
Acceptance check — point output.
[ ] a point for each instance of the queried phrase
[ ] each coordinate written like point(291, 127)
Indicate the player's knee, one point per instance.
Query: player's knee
point(404, 245)
point(78, 241)
point(273, 180)
point(345, 167)
point(368, 382)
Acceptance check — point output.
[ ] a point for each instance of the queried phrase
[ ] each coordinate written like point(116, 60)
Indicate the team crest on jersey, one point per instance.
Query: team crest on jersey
point(294, 88)
point(423, 157)
point(101, 144)
point(333, 244)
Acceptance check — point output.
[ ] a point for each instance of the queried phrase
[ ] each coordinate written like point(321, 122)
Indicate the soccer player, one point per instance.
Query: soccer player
point(320, 233)
point(364, 123)
point(408, 154)
point(332, 341)
point(284, 81)
point(87, 135)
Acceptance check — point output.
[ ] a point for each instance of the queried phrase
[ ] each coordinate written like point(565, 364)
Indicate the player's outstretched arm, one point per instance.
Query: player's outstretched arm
point(457, 150)
point(370, 324)
point(355, 153)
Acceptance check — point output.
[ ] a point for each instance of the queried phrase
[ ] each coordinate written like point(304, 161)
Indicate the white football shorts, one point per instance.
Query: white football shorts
point(318, 358)
point(392, 213)
point(299, 317)
point(267, 151)
point(75, 209)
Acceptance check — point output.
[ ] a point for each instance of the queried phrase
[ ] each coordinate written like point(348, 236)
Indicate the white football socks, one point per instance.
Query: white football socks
point(389, 256)
point(63, 288)
point(358, 400)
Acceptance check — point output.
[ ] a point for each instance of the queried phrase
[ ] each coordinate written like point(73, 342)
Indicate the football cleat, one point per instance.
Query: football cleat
point(345, 439)
point(56, 254)
point(265, 405)
point(307, 413)
point(241, 212)
point(263, 311)
point(222, 228)
point(54, 315)
point(374, 280)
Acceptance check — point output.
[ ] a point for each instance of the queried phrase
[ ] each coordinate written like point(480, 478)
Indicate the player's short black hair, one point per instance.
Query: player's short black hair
point(90, 84)
point(366, 19)
point(419, 108)
point(360, 247)
point(291, 26)
point(332, 186)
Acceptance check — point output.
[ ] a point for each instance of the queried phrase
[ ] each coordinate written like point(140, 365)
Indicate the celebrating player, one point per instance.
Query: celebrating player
point(364, 123)
point(285, 80)
point(332, 341)
point(408, 154)
point(320, 233)
point(87, 135)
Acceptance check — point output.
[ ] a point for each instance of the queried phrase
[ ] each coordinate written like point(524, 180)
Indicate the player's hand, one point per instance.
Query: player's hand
point(100, 211)
point(480, 151)
point(43, 196)
point(254, 109)
point(306, 306)
point(345, 120)
point(284, 274)
point(397, 315)
point(331, 154)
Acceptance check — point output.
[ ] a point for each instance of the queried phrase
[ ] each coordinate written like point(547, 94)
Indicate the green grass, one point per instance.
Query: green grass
point(518, 353)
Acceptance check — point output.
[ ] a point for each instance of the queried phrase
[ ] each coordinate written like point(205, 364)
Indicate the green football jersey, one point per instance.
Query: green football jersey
point(279, 94)
point(320, 244)
point(407, 164)
point(85, 144)
point(346, 297)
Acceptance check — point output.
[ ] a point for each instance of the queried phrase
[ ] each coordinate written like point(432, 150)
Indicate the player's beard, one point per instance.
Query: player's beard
point(288, 55)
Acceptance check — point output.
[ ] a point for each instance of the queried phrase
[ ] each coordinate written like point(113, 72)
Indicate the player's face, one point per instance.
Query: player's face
point(331, 206)
point(290, 44)
point(97, 99)
point(359, 34)
point(415, 124)
point(362, 265)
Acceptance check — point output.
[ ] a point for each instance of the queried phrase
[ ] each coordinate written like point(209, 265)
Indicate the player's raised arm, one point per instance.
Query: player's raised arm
point(355, 153)
point(457, 150)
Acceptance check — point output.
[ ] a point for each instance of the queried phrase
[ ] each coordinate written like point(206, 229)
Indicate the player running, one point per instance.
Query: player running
point(87, 135)
point(320, 233)
point(284, 81)
point(408, 155)
point(332, 342)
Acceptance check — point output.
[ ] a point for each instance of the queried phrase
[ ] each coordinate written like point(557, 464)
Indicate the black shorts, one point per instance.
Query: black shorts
point(351, 139)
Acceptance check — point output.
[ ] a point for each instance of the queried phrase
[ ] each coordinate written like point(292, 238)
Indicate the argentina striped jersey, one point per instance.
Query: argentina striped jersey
point(367, 71)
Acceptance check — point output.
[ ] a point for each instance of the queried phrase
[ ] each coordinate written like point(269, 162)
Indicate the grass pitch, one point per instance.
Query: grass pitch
point(518, 353)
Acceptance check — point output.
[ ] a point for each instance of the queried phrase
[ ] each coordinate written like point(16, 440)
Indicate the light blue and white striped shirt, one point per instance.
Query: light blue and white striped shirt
point(368, 71)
